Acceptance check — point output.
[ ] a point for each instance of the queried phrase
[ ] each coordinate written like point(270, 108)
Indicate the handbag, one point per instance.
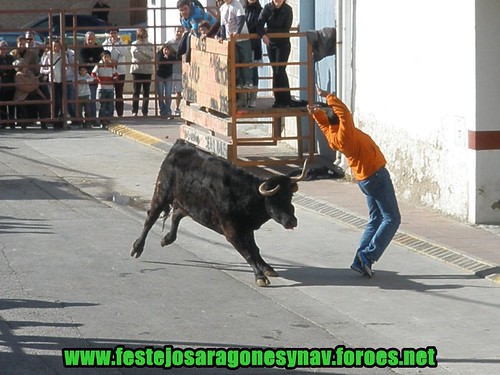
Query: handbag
point(44, 77)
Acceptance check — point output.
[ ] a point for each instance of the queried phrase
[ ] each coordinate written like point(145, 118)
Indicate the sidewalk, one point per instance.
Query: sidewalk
point(422, 230)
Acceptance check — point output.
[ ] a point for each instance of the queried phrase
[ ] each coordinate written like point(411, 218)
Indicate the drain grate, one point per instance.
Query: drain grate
point(413, 243)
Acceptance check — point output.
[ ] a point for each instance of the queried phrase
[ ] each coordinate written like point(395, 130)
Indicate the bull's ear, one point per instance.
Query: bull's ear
point(295, 187)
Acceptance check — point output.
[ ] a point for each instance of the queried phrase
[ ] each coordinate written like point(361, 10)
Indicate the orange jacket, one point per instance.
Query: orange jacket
point(362, 153)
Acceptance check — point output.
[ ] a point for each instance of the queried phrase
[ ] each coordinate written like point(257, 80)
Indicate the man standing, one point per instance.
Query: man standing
point(118, 51)
point(89, 56)
point(368, 167)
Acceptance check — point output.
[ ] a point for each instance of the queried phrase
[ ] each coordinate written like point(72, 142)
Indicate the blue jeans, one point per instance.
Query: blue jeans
point(384, 214)
point(164, 93)
point(244, 55)
point(93, 101)
point(106, 98)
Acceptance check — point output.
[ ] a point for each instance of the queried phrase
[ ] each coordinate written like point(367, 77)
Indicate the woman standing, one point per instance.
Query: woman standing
point(53, 63)
point(143, 54)
point(165, 57)
point(278, 17)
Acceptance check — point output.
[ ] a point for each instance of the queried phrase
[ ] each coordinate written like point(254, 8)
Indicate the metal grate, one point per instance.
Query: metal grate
point(478, 267)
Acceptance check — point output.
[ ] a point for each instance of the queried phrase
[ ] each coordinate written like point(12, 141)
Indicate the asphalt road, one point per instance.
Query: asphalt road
point(72, 203)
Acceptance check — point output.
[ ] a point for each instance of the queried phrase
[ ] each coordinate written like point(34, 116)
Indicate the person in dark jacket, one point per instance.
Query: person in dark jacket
point(252, 13)
point(165, 57)
point(90, 55)
point(7, 87)
point(278, 16)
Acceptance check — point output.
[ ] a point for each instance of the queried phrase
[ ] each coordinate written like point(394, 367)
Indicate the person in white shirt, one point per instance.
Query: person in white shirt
point(119, 50)
point(53, 63)
point(83, 102)
point(143, 55)
point(232, 22)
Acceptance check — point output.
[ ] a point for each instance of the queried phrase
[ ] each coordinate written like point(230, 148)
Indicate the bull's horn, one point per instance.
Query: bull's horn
point(302, 175)
point(267, 193)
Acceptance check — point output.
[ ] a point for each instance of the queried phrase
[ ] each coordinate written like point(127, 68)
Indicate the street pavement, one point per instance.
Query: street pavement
point(423, 230)
point(69, 216)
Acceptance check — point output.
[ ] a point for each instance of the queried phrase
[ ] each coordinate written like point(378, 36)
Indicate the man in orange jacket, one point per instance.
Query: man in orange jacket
point(368, 167)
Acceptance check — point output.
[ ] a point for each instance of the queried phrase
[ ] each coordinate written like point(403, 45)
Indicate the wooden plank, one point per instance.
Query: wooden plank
point(205, 141)
point(209, 45)
point(193, 114)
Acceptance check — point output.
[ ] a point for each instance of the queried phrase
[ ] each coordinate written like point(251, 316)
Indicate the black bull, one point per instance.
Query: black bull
point(221, 197)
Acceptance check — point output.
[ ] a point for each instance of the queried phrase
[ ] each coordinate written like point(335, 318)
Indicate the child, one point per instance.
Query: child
point(204, 29)
point(83, 104)
point(105, 73)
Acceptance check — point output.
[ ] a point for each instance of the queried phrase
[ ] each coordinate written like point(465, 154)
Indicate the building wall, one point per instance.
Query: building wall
point(415, 94)
point(485, 192)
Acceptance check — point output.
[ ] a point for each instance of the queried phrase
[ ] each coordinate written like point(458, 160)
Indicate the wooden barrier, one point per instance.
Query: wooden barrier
point(213, 121)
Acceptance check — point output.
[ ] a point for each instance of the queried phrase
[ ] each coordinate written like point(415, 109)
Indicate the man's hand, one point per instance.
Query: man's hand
point(321, 92)
point(266, 40)
point(313, 108)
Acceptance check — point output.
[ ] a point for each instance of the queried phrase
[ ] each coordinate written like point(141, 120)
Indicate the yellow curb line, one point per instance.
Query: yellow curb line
point(136, 135)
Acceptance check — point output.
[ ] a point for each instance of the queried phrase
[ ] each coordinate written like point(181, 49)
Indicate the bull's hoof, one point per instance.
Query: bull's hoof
point(263, 281)
point(271, 273)
point(167, 240)
point(136, 251)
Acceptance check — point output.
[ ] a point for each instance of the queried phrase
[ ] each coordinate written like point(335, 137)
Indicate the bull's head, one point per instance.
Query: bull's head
point(278, 191)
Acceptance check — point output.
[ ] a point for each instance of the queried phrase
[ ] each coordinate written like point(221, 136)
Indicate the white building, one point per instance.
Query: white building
point(422, 77)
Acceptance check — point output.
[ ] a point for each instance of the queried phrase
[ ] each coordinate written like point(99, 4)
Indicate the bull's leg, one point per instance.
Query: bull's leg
point(171, 236)
point(158, 205)
point(245, 244)
point(261, 263)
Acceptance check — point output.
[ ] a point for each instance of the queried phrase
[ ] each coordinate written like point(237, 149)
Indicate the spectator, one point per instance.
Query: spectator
point(7, 88)
point(278, 16)
point(165, 58)
point(204, 29)
point(71, 73)
point(177, 70)
point(118, 49)
point(192, 15)
point(83, 102)
point(141, 68)
point(233, 22)
point(252, 12)
point(27, 90)
point(90, 55)
point(53, 64)
point(33, 45)
point(29, 56)
point(42, 77)
point(101, 10)
point(105, 73)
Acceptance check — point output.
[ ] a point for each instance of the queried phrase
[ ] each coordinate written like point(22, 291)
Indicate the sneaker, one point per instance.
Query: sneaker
point(366, 265)
point(247, 86)
point(356, 266)
point(177, 112)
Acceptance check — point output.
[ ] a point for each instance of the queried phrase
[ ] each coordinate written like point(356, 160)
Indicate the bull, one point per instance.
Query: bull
point(221, 197)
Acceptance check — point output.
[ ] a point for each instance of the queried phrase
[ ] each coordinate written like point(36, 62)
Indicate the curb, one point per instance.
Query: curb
point(422, 246)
